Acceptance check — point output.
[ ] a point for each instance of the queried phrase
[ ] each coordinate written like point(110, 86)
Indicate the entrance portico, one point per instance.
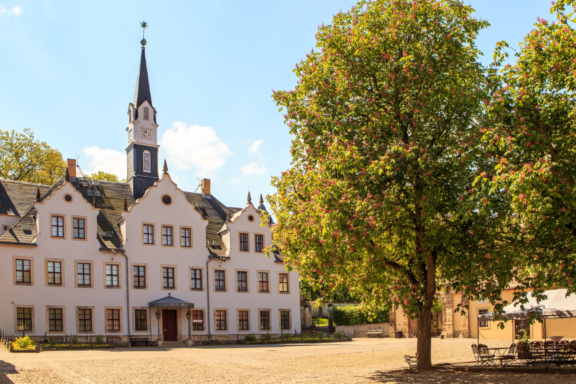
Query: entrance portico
point(170, 314)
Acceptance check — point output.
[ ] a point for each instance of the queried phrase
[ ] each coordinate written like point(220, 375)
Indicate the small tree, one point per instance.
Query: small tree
point(385, 193)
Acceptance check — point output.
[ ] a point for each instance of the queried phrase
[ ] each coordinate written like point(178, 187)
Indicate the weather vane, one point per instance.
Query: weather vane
point(144, 25)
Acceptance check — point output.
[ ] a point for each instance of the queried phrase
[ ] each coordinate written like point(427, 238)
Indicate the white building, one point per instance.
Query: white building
point(138, 259)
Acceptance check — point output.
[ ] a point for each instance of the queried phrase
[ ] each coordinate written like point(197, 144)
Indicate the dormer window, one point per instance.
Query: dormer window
point(146, 114)
point(146, 161)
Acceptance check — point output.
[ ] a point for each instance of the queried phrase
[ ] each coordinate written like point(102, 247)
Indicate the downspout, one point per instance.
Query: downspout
point(208, 296)
point(128, 325)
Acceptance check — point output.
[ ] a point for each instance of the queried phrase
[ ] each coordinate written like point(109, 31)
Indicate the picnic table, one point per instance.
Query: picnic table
point(537, 354)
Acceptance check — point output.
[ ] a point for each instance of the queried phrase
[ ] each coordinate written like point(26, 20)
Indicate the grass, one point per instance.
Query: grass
point(321, 322)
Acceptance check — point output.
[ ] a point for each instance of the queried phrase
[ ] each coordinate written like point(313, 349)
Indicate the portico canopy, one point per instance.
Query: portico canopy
point(170, 302)
point(556, 306)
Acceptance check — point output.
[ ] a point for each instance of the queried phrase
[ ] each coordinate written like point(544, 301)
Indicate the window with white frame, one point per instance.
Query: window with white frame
point(146, 162)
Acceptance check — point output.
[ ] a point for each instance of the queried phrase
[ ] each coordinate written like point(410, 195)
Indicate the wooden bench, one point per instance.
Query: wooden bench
point(135, 341)
point(374, 333)
point(412, 361)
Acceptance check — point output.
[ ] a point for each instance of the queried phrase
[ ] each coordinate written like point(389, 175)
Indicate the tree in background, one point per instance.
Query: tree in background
point(24, 159)
point(384, 194)
point(531, 130)
point(101, 175)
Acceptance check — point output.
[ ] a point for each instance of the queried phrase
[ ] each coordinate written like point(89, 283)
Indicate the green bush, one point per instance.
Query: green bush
point(250, 338)
point(23, 342)
point(267, 337)
point(53, 342)
point(350, 315)
point(338, 335)
point(74, 339)
point(99, 340)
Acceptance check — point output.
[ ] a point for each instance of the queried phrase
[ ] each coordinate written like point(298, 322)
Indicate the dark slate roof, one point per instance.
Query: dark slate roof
point(22, 196)
point(142, 93)
point(16, 196)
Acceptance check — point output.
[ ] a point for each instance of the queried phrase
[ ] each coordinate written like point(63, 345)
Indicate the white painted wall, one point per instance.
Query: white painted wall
point(149, 209)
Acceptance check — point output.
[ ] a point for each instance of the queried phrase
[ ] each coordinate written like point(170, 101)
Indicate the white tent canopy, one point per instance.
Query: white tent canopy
point(556, 306)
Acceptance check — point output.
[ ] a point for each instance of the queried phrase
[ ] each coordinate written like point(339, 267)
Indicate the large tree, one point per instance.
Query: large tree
point(386, 193)
point(23, 158)
point(531, 130)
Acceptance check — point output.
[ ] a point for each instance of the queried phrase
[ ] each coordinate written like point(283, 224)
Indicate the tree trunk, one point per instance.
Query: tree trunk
point(425, 339)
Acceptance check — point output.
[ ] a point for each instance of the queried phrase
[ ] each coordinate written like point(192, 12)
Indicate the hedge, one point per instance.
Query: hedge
point(350, 315)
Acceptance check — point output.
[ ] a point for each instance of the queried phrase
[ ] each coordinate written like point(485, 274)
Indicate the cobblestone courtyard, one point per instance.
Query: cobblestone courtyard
point(360, 361)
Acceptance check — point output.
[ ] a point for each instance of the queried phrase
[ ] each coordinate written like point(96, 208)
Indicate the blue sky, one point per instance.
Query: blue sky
point(68, 71)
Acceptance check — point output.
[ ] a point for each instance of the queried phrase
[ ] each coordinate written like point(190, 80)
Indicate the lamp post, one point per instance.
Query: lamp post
point(188, 316)
point(158, 320)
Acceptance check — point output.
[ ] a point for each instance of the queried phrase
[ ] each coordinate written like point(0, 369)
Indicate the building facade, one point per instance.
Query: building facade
point(141, 258)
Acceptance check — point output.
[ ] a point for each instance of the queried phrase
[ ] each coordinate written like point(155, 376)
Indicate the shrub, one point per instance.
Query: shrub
point(53, 342)
point(99, 340)
point(267, 337)
point(250, 338)
point(338, 335)
point(74, 339)
point(23, 342)
point(350, 315)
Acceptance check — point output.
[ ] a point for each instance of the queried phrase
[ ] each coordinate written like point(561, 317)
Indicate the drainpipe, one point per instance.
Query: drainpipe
point(208, 296)
point(128, 325)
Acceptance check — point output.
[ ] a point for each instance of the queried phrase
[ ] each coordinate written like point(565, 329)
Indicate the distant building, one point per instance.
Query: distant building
point(141, 258)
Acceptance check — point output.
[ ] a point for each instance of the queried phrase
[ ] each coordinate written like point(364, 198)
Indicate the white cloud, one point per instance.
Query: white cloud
point(255, 146)
point(106, 160)
point(16, 11)
point(253, 169)
point(194, 146)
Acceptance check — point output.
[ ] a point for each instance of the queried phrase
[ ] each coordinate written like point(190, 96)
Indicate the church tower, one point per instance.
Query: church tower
point(142, 150)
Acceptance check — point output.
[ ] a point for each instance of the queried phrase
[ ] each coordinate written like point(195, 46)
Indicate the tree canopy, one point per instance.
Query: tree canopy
point(386, 193)
point(101, 175)
point(531, 130)
point(23, 158)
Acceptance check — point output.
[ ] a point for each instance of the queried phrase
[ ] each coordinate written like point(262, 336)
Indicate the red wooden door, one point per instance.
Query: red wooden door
point(170, 325)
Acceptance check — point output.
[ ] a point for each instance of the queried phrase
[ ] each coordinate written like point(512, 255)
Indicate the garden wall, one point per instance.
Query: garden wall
point(361, 330)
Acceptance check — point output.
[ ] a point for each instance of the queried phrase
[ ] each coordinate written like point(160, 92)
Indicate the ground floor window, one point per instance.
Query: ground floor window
point(24, 319)
point(265, 320)
point(243, 324)
point(85, 320)
point(141, 320)
point(55, 320)
point(113, 320)
point(285, 320)
point(220, 320)
point(483, 323)
point(197, 320)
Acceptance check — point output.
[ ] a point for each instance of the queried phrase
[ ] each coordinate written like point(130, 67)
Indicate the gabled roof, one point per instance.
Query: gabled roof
point(169, 302)
point(111, 206)
point(16, 196)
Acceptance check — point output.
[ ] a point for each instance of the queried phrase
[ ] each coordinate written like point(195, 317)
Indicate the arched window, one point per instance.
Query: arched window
point(146, 161)
point(146, 113)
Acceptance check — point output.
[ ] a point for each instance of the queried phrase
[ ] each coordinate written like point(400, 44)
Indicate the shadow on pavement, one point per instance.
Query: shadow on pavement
point(6, 368)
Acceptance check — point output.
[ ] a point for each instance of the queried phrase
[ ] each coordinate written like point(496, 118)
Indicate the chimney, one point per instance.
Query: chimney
point(205, 186)
point(71, 166)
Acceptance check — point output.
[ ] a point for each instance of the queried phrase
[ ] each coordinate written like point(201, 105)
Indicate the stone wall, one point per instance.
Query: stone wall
point(361, 330)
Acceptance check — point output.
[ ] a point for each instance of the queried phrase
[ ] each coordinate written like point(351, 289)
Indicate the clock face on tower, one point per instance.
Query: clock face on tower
point(146, 133)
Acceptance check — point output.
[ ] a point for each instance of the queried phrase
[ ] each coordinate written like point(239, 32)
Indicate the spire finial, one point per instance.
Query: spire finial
point(67, 174)
point(261, 207)
point(125, 205)
point(249, 197)
point(38, 196)
point(165, 168)
point(143, 25)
